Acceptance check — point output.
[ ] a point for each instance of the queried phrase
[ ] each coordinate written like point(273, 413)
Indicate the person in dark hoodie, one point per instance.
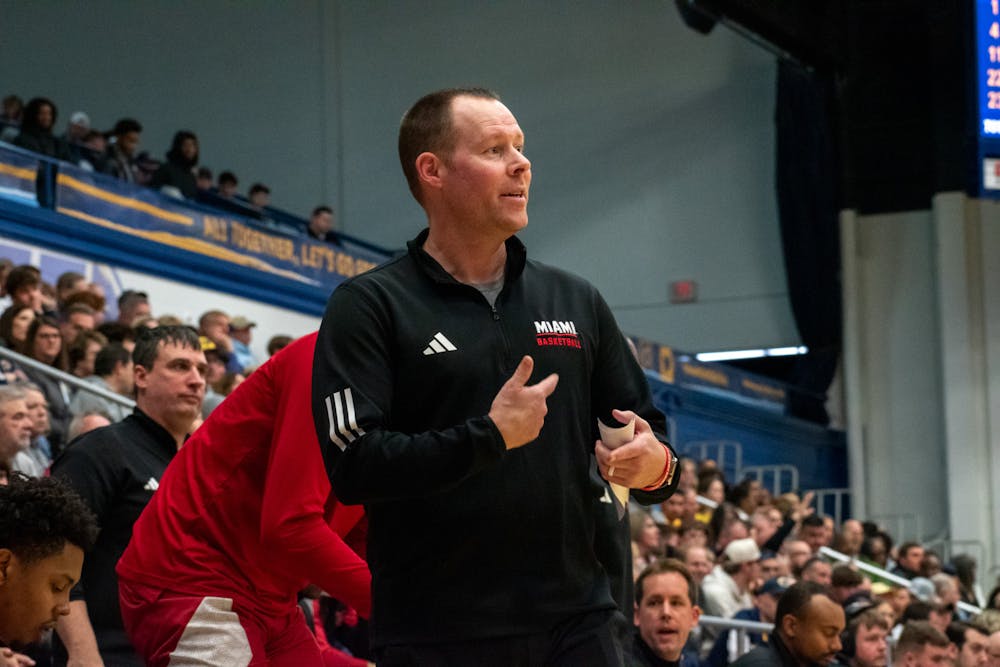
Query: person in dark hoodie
point(179, 169)
point(36, 130)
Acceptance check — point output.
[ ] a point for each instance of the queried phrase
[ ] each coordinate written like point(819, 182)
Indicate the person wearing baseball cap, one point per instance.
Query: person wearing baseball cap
point(727, 589)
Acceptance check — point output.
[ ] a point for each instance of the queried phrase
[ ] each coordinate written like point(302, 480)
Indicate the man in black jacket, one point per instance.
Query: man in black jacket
point(115, 470)
point(806, 632)
point(457, 390)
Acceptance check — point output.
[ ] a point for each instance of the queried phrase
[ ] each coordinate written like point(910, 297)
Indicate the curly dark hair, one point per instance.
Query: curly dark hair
point(39, 516)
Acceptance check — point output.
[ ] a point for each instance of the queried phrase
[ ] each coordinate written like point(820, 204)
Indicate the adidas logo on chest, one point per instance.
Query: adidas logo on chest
point(439, 344)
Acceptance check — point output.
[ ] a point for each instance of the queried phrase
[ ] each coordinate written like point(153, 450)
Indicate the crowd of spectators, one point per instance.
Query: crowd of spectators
point(744, 549)
point(64, 326)
point(117, 152)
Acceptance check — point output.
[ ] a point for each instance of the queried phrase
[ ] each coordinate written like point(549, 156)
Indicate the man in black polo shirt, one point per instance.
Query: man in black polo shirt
point(116, 469)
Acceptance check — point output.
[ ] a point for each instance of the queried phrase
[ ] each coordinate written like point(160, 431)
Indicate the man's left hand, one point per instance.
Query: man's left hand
point(639, 462)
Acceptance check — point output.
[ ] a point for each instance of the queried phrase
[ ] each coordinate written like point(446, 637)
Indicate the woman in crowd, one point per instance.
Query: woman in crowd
point(14, 323)
point(44, 344)
point(647, 544)
point(179, 169)
point(36, 130)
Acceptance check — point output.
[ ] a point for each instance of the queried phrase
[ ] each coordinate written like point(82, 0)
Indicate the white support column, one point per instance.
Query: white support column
point(963, 370)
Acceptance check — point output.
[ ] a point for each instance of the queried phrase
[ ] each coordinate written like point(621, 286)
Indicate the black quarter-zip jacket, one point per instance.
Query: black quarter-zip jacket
point(466, 539)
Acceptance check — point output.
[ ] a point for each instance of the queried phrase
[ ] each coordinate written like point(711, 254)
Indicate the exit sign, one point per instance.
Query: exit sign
point(683, 291)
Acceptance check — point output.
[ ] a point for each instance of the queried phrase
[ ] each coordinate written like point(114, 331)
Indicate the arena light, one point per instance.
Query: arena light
point(733, 355)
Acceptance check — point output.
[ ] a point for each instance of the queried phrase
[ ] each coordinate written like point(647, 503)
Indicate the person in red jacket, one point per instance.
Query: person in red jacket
point(242, 520)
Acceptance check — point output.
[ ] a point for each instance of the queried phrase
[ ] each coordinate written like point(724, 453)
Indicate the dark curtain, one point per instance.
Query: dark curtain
point(808, 208)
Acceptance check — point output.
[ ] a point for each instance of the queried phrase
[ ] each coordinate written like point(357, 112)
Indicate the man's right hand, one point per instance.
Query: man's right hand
point(519, 409)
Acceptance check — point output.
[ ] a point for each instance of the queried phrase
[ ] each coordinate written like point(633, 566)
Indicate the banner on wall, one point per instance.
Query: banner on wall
point(674, 367)
point(94, 199)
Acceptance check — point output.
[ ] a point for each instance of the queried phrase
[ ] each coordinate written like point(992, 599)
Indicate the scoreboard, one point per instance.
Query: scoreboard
point(987, 87)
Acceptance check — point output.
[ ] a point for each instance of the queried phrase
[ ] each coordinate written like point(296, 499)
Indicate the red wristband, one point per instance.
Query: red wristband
point(668, 472)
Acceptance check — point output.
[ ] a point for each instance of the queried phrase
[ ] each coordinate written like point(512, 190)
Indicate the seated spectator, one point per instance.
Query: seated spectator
point(24, 286)
point(228, 185)
point(908, 561)
point(807, 630)
point(921, 645)
point(76, 319)
point(797, 552)
point(646, 539)
point(665, 613)
point(145, 166)
point(14, 323)
point(693, 534)
point(81, 354)
point(178, 169)
point(259, 196)
point(946, 593)
point(745, 496)
point(865, 641)
point(321, 225)
point(728, 646)
point(688, 471)
point(133, 305)
point(875, 549)
point(214, 325)
point(93, 151)
point(241, 334)
point(120, 159)
point(711, 485)
point(699, 561)
point(772, 565)
point(203, 179)
point(116, 332)
point(971, 643)
point(85, 422)
point(816, 570)
point(727, 587)
point(965, 570)
point(814, 533)
point(673, 510)
point(727, 526)
point(88, 297)
point(848, 541)
point(934, 613)
point(36, 459)
point(15, 427)
point(44, 531)
point(113, 372)
point(10, 117)
point(930, 565)
point(36, 130)
point(68, 284)
point(846, 582)
point(44, 344)
point(77, 129)
point(278, 343)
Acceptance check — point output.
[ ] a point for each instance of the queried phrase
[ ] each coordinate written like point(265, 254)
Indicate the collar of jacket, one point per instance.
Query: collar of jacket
point(516, 257)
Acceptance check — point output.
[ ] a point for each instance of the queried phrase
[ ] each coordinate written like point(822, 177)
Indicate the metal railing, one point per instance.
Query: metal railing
point(824, 497)
point(777, 473)
point(884, 574)
point(727, 454)
point(72, 380)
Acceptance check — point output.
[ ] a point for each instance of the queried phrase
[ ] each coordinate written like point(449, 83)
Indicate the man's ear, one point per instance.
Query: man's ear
point(429, 168)
point(139, 376)
point(789, 625)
